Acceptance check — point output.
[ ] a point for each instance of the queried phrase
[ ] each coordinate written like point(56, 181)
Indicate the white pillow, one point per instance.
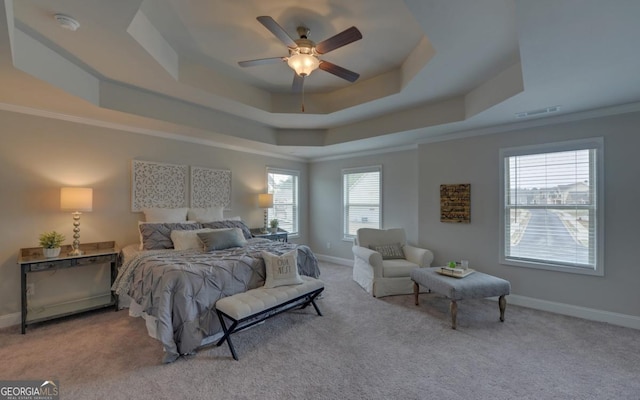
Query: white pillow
point(187, 240)
point(165, 214)
point(281, 270)
point(209, 214)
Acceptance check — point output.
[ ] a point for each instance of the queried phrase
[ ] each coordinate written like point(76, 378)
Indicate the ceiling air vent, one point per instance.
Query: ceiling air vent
point(541, 111)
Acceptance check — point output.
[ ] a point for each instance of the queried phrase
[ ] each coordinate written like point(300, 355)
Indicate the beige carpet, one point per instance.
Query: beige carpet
point(362, 348)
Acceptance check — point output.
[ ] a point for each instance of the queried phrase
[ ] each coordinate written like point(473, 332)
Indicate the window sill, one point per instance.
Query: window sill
point(553, 267)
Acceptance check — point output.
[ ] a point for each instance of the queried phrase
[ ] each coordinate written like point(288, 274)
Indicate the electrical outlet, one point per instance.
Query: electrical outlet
point(31, 289)
point(328, 245)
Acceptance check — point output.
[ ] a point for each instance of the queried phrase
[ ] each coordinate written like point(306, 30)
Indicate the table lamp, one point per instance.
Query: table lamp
point(265, 200)
point(76, 199)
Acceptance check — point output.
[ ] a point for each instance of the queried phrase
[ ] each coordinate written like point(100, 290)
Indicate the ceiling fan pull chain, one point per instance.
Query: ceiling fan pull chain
point(303, 94)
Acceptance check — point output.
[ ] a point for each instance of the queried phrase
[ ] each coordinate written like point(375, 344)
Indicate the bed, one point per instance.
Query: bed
point(175, 290)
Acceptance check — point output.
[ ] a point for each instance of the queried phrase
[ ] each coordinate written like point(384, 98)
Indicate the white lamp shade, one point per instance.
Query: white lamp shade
point(76, 199)
point(265, 200)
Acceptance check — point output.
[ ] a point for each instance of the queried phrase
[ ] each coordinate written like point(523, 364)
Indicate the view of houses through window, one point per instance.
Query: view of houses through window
point(362, 199)
point(283, 184)
point(550, 204)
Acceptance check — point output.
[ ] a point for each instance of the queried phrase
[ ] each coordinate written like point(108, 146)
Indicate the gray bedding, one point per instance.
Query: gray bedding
point(180, 288)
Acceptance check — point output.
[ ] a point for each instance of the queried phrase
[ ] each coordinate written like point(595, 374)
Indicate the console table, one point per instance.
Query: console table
point(279, 236)
point(32, 260)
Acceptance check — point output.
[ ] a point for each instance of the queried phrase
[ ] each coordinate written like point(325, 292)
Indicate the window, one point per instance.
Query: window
point(552, 210)
point(362, 200)
point(283, 184)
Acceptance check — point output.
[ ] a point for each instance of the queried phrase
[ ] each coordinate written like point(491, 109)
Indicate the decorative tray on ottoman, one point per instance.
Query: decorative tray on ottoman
point(455, 272)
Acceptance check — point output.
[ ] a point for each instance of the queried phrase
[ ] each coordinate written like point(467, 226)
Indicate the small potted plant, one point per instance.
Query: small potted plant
point(50, 242)
point(274, 225)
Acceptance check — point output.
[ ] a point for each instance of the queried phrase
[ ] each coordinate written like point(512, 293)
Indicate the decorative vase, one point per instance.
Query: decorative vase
point(274, 230)
point(50, 253)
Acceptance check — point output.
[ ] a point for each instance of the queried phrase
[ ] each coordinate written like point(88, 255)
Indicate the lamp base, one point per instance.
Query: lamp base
point(75, 252)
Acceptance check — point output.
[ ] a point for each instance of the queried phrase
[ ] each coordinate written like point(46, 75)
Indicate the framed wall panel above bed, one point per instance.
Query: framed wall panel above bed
point(160, 185)
point(210, 187)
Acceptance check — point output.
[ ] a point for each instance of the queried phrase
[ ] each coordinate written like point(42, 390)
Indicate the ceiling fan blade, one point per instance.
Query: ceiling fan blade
point(277, 31)
point(261, 61)
point(339, 71)
point(341, 39)
point(298, 83)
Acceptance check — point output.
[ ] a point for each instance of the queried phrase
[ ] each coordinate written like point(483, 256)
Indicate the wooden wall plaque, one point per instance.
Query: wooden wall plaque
point(455, 203)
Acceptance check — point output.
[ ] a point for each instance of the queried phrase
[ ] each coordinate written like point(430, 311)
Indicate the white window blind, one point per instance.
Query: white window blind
point(283, 184)
point(362, 199)
point(551, 206)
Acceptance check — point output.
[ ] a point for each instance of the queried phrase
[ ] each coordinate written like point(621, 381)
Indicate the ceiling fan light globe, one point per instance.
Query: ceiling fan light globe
point(303, 64)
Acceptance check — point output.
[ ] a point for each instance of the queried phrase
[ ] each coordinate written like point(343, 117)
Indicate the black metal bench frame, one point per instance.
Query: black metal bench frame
point(237, 325)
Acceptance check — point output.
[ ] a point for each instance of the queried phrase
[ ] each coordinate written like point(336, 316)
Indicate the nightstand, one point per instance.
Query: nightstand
point(280, 236)
point(32, 260)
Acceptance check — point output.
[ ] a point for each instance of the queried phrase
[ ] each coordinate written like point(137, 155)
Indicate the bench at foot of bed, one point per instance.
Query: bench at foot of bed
point(253, 306)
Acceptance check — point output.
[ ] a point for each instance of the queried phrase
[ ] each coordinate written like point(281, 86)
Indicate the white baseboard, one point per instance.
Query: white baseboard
point(628, 321)
point(336, 260)
point(8, 320)
point(16, 318)
point(592, 314)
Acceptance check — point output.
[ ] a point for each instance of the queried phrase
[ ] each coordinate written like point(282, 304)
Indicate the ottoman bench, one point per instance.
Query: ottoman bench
point(474, 286)
point(253, 306)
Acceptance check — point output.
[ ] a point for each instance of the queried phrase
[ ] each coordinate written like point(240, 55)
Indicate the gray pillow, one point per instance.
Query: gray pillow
point(227, 223)
point(389, 251)
point(157, 236)
point(222, 239)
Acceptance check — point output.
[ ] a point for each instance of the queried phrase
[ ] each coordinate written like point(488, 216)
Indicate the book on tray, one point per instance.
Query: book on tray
point(455, 272)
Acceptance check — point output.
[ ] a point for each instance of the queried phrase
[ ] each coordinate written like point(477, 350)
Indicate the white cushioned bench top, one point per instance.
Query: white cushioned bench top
point(242, 305)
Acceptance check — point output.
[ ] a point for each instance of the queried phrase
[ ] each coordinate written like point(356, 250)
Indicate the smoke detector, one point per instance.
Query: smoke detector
point(67, 22)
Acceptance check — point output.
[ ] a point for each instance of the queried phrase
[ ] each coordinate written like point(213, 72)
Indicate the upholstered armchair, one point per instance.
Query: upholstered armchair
point(383, 261)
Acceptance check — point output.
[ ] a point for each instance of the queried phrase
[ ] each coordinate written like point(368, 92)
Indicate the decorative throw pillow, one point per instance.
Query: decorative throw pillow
point(229, 224)
point(220, 239)
point(389, 251)
point(205, 214)
point(187, 240)
point(281, 270)
point(165, 214)
point(156, 236)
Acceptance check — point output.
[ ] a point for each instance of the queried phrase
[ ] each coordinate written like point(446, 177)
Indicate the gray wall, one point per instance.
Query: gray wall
point(39, 155)
point(475, 161)
point(399, 198)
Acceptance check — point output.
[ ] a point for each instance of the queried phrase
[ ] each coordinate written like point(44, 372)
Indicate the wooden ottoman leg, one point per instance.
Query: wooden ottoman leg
point(416, 291)
point(453, 307)
point(502, 303)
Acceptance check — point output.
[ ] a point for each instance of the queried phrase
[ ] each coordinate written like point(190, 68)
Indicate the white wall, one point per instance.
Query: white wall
point(39, 155)
point(475, 161)
point(399, 199)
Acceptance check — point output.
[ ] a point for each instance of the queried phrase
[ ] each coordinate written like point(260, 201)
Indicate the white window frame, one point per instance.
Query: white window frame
point(597, 175)
point(296, 207)
point(345, 222)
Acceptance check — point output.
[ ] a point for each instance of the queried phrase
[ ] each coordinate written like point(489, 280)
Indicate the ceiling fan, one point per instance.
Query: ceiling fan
point(303, 53)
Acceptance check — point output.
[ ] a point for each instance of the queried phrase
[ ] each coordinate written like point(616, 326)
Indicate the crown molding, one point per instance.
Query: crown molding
point(534, 123)
point(141, 131)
